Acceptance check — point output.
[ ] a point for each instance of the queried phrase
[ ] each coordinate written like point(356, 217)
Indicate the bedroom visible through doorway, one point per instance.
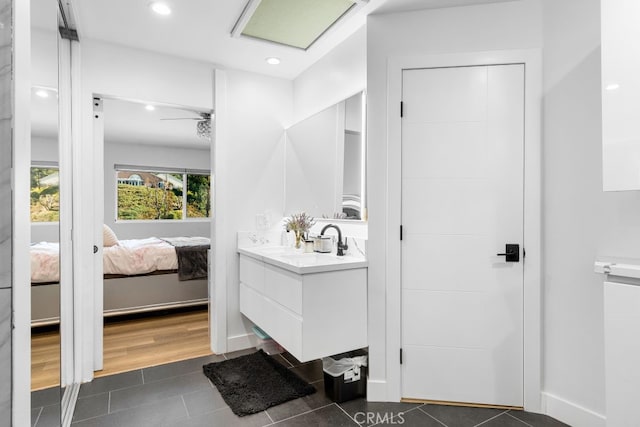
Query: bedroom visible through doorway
point(155, 231)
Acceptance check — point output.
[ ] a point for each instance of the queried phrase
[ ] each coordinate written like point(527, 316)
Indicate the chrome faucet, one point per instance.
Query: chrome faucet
point(341, 246)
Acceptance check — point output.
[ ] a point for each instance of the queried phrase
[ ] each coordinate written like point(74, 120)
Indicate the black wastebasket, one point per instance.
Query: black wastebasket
point(345, 376)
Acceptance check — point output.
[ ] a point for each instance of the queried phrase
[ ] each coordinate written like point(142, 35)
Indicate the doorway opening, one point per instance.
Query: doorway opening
point(154, 260)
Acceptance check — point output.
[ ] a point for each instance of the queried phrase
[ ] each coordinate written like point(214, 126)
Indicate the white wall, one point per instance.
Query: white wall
point(335, 77)
point(158, 156)
point(249, 170)
point(578, 216)
point(44, 58)
point(511, 25)
point(44, 149)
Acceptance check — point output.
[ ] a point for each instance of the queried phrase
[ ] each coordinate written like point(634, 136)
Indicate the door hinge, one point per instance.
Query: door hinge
point(401, 232)
point(524, 252)
point(401, 109)
point(401, 356)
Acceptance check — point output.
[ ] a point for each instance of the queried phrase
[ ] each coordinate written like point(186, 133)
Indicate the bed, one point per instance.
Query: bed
point(140, 275)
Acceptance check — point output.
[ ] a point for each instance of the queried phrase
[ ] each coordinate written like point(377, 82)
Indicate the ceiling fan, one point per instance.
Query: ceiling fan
point(203, 125)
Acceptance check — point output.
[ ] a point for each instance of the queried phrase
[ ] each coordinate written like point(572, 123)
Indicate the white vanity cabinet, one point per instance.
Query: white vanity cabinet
point(311, 314)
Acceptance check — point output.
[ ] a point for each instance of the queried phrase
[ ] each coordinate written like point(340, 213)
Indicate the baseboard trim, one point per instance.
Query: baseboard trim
point(241, 342)
point(571, 413)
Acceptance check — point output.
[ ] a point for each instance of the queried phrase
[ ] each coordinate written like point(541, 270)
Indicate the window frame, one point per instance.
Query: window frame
point(161, 170)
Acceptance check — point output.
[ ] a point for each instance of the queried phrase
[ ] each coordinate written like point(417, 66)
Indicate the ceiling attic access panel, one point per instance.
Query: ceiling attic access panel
point(295, 23)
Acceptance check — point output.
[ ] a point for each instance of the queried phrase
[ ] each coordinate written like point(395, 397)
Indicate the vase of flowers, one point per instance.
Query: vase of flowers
point(300, 224)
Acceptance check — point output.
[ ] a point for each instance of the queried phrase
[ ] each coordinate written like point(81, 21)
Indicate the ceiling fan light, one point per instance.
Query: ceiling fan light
point(203, 129)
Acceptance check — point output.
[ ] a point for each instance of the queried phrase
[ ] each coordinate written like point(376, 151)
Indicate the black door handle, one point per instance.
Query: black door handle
point(512, 252)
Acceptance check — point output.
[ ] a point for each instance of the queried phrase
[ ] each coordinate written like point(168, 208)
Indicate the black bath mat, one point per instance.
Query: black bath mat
point(255, 382)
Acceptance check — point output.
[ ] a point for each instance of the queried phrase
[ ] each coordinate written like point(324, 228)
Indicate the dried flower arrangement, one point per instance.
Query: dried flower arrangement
point(299, 223)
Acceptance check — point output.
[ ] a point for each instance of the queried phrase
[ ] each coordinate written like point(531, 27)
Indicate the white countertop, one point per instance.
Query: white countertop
point(620, 268)
point(303, 263)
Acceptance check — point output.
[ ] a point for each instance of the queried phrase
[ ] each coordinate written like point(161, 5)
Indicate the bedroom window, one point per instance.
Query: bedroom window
point(162, 194)
point(45, 193)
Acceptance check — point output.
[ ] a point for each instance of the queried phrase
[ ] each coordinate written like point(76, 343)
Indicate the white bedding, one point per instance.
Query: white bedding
point(129, 257)
point(45, 263)
point(139, 256)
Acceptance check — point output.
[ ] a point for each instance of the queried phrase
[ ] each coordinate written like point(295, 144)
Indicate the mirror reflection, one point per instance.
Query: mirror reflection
point(45, 216)
point(325, 165)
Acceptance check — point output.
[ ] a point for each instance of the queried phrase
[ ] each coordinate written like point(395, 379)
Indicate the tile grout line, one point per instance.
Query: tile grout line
point(350, 417)
point(523, 422)
point(125, 410)
point(303, 413)
point(108, 391)
point(492, 418)
point(185, 406)
point(38, 417)
point(269, 416)
point(419, 408)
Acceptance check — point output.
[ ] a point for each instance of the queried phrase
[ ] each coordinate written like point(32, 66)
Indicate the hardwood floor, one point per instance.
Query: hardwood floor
point(45, 359)
point(138, 343)
point(130, 344)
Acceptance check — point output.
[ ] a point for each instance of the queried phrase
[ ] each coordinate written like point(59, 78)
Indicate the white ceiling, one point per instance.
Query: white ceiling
point(201, 30)
point(44, 114)
point(125, 123)
point(392, 6)
point(128, 122)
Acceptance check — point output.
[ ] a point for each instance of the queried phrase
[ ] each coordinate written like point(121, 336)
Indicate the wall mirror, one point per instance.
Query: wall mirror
point(325, 163)
point(45, 214)
point(620, 94)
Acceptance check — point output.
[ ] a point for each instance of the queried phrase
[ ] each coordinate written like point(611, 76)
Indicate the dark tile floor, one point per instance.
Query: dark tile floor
point(178, 394)
point(45, 407)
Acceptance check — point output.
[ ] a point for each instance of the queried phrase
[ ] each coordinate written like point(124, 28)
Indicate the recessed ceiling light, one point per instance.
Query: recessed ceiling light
point(273, 60)
point(42, 93)
point(613, 86)
point(161, 8)
point(150, 107)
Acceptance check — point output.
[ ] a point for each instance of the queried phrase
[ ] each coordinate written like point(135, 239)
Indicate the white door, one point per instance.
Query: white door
point(462, 201)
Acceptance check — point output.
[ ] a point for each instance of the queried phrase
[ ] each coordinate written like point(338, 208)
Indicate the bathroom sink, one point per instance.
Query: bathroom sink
point(312, 259)
point(273, 250)
point(303, 263)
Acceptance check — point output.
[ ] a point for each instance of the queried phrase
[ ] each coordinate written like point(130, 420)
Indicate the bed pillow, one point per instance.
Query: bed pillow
point(109, 238)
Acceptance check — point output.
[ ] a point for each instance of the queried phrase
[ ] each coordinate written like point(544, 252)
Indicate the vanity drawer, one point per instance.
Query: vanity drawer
point(283, 326)
point(283, 287)
point(252, 304)
point(252, 273)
